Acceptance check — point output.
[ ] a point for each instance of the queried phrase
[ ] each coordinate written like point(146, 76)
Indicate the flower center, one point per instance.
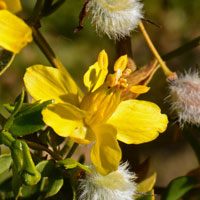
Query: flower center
point(118, 79)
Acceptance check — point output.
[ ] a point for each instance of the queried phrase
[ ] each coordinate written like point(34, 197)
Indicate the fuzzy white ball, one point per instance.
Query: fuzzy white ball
point(185, 98)
point(116, 185)
point(115, 18)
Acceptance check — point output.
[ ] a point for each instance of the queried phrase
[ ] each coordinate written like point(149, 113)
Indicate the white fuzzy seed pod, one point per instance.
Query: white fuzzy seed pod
point(117, 185)
point(115, 18)
point(185, 98)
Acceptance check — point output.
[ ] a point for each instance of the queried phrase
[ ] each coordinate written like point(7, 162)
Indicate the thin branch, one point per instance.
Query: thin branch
point(37, 146)
point(36, 15)
point(186, 47)
point(45, 48)
point(72, 150)
point(53, 8)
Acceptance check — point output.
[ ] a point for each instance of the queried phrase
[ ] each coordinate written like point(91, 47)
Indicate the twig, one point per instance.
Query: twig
point(180, 50)
point(53, 8)
point(37, 146)
point(72, 150)
point(36, 15)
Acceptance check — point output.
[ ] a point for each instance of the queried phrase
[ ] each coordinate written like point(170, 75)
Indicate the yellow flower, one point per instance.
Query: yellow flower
point(14, 34)
point(100, 116)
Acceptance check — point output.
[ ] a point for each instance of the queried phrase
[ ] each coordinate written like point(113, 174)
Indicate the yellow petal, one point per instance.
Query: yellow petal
point(13, 5)
point(94, 77)
point(45, 83)
point(139, 89)
point(91, 75)
point(67, 121)
point(103, 60)
point(138, 121)
point(106, 153)
point(147, 184)
point(14, 33)
point(121, 63)
point(96, 74)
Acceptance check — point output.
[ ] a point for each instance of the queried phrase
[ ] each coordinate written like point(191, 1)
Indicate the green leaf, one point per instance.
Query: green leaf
point(28, 191)
point(18, 106)
point(178, 187)
point(46, 167)
point(29, 119)
point(6, 58)
point(53, 185)
point(23, 163)
point(52, 180)
point(5, 176)
point(70, 164)
point(5, 161)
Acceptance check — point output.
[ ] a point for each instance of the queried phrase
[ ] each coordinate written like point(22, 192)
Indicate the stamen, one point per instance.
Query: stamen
point(112, 80)
point(121, 63)
point(117, 79)
point(123, 83)
point(103, 60)
point(126, 72)
point(118, 74)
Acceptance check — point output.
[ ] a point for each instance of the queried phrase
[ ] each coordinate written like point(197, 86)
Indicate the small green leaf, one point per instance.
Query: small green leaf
point(52, 180)
point(46, 167)
point(6, 138)
point(28, 191)
point(178, 187)
point(6, 58)
point(18, 106)
point(5, 161)
point(5, 176)
point(9, 107)
point(23, 163)
point(70, 164)
point(54, 185)
point(29, 119)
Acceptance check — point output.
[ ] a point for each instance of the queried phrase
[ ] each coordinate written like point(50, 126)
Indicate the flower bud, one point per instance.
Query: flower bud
point(116, 185)
point(185, 98)
point(115, 18)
